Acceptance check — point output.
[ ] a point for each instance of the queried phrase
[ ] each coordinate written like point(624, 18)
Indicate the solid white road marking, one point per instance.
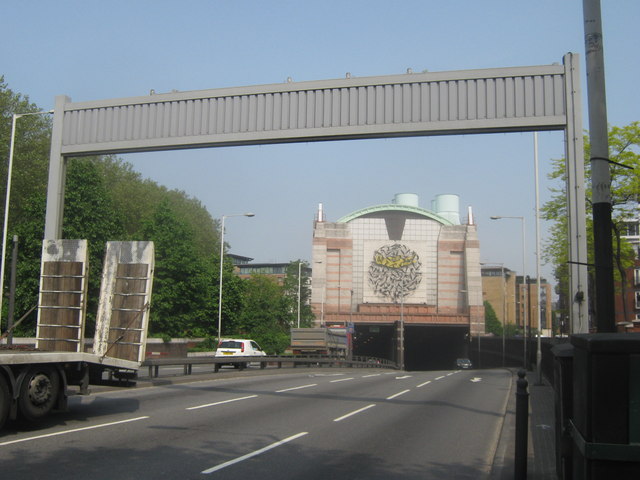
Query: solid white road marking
point(71, 431)
point(253, 454)
point(297, 388)
point(423, 384)
point(355, 412)
point(221, 402)
point(397, 394)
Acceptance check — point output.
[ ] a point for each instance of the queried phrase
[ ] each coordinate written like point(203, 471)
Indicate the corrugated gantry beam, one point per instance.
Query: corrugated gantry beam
point(512, 99)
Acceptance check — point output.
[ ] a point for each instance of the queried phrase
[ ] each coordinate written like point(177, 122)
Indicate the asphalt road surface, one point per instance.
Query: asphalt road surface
point(303, 424)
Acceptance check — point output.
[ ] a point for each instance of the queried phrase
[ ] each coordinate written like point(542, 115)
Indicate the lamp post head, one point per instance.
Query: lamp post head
point(495, 218)
point(249, 214)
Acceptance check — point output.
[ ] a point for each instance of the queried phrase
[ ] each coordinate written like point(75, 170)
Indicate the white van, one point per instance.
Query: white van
point(233, 347)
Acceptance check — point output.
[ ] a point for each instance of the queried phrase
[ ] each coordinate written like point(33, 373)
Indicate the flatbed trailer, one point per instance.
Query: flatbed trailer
point(35, 381)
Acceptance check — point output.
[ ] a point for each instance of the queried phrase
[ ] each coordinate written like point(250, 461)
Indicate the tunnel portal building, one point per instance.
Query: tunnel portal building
point(395, 267)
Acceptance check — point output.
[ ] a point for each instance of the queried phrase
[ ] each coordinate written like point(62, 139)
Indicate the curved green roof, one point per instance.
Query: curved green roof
point(396, 208)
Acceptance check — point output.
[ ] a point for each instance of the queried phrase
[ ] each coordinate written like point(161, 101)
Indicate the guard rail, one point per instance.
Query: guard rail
point(154, 364)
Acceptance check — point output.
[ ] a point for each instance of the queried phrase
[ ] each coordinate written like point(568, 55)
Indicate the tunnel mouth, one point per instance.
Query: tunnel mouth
point(426, 347)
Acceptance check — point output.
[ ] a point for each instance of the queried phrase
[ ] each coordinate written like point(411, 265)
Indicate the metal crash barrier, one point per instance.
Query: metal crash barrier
point(154, 364)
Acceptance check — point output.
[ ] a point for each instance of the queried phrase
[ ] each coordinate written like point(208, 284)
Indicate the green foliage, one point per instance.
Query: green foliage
point(31, 150)
point(624, 148)
point(492, 324)
point(29, 232)
point(89, 214)
point(182, 290)
point(209, 344)
point(290, 291)
point(139, 198)
point(266, 314)
point(511, 330)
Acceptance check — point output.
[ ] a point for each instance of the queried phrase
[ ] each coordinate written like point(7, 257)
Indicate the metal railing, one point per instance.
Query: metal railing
point(278, 361)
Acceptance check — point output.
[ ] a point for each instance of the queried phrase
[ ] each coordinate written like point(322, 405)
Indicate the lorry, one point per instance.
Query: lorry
point(35, 381)
point(319, 341)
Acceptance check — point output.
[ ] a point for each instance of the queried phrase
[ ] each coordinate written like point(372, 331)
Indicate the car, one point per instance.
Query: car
point(237, 347)
point(463, 364)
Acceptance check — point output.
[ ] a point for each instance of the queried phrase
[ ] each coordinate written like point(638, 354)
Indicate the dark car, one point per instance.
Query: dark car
point(463, 364)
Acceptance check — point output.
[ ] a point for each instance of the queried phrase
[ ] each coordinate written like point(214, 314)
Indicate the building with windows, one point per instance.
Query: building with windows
point(244, 268)
point(499, 289)
point(627, 298)
point(516, 301)
point(399, 262)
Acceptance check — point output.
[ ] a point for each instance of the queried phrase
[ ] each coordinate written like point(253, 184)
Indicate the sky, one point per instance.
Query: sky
point(93, 50)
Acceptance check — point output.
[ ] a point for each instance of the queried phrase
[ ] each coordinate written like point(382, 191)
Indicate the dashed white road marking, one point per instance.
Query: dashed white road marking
point(253, 454)
point(397, 394)
point(221, 402)
point(355, 412)
point(297, 388)
point(74, 430)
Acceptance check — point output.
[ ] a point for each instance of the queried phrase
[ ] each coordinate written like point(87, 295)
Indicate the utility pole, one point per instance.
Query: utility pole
point(600, 172)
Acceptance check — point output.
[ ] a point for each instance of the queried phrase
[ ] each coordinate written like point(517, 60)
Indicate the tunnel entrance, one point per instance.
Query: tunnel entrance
point(375, 341)
point(426, 347)
point(434, 347)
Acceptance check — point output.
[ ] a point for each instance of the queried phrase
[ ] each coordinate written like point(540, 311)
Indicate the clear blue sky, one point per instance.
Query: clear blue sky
point(92, 50)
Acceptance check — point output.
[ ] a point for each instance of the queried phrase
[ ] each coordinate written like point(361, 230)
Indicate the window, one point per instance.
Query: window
point(636, 276)
point(638, 299)
point(632, 229)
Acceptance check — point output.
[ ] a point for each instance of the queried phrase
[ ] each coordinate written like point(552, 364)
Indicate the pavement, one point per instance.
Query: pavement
point(541, 463)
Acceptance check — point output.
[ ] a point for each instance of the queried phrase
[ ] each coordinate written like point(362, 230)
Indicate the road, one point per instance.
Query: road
point(311, 424)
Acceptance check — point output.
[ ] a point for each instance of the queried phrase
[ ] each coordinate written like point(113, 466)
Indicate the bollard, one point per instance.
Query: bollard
point(522, 426)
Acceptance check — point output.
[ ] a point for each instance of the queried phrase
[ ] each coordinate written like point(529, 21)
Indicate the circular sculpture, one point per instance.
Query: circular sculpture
point(394, 271)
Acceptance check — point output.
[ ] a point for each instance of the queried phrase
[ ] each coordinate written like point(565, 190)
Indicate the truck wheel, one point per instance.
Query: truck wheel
point(39, 392)
point(5, 400)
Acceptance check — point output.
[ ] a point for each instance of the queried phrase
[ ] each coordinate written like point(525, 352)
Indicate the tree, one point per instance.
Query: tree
point(265, 314)
point(624, 146)
point(492, 324)
point(182, 302)
point(138, 197)
point(89, 214)
point(29, 232)
point(290, 290)
point(31, 150)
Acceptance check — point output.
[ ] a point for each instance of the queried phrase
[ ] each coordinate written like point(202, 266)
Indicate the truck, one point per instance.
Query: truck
point(35, 381)
point(319, 341)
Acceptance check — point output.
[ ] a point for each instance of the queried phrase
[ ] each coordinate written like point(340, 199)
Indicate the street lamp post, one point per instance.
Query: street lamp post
point(504, 311)
point(524, 303)
point(538, 311)
point(221, 265)
point(299, 287)
point(5, 228)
